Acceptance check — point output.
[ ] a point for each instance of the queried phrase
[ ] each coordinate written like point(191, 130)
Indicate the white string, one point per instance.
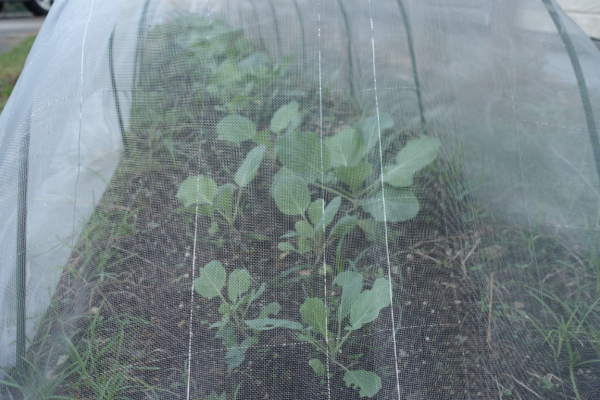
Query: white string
point(387, 248)
point(323, 208)
point(189, 366)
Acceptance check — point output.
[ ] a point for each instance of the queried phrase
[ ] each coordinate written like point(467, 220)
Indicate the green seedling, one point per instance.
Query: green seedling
point(356, 309)
point(211, 199)
point(341, 167)
point(315, 225)
point(235, 330)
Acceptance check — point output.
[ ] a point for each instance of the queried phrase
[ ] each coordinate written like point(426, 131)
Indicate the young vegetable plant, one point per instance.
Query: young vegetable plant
point(342, 166)
point(316, 223)
point(235, 330)
point(356, 308)
point(203, 191)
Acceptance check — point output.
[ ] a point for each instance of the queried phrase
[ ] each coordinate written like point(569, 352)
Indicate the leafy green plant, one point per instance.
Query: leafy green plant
point(203, 191)
point(236, 332)
point(356, 308)
point(343, 168)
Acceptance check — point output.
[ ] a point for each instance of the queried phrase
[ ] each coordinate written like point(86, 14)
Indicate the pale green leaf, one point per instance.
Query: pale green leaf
point(317, 366)
point(304, 245)
point(345, 148)
point(236, 355)
point(291, 195)
point(224, 198)
point(235, 128)
point(247, 171)
point(270, 309)
point(329, 214)
point(304, 229)
point(315, 210)
point(302, 153)
point(371, 129)
point(197, 190)
point(351, 283)
point(400, 205)
point(254, 62)
point(286, 247)
point(367, 305)
point(265, 324)
point(284, 116)
point(211, 280)
point(354, 177)
point(239, 283)
point(314, 313)
point(414, 156)
point(368, 382)
point(344, 225)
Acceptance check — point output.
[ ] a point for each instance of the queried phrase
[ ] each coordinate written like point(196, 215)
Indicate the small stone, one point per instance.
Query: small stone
point(94, 311)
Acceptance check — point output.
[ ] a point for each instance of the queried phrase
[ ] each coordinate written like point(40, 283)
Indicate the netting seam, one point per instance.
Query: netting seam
point(387, 247)
point(196, 213)
point(323, 205)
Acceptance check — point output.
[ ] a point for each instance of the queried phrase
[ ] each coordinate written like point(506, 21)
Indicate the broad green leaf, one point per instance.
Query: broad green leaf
point(351, 283)
point(197, 190)
point(211, 280)
point(315, 211)
point(239, 283)
point(286, 247)
point(329, 214)
point(354, 177)
point(314, 313)
point(345, 148)
point(375, 231)
point(344, 225)
point(317, 366)
point(291, 195)
point(235, 128)
point(284, 116)
point(228, 72)
point(236, 355)
point(254, 62)
point(400, 205)
point(302, 153)
point(370, 130)
point(304, 229)
point(227, 335)
point(414, 156)
point(303, 245)
point(266, 324)
point(382, 289)
point(247, 171)
point(367, 305)
point(368, 382)
point(224, 198)
point(270, 309)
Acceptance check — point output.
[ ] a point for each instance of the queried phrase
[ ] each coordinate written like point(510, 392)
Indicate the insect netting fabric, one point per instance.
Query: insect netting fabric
point(293, 199)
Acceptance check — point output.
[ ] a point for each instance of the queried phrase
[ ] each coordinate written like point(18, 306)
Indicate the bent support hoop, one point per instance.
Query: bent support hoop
point(21, 264)
point(585, 97)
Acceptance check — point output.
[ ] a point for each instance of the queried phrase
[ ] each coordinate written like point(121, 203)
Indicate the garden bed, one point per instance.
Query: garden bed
point(242, 251)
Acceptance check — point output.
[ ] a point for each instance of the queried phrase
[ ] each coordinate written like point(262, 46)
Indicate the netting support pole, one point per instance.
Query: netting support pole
point(583, 91)
point(413, 60)
point(113, 79)
point(22, 257)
